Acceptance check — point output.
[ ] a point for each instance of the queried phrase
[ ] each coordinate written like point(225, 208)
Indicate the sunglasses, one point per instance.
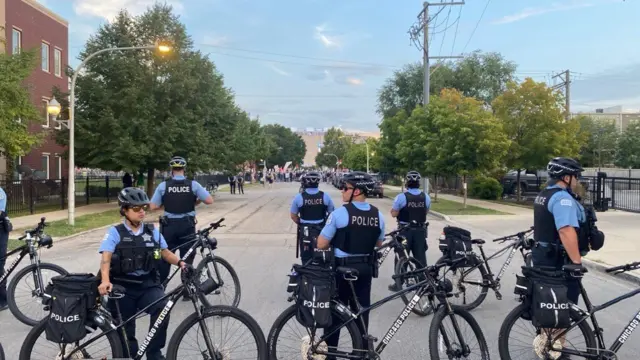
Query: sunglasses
point(346, 188)
point(139, 208)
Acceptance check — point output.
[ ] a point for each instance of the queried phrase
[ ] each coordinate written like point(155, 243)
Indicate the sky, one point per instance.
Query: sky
point(320, 63)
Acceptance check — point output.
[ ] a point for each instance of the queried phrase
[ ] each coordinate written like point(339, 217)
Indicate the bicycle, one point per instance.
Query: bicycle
point(34, 240)
point(594, 339)
point(209, 260)
point(100, 317)
point(1, 352)
point(489, 281)
point(430, 286)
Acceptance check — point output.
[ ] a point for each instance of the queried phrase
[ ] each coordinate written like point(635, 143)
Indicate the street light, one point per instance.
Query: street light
point(71, 189)
point(53, 108)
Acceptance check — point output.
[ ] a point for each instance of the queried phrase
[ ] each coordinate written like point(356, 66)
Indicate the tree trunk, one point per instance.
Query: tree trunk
point(518, 186)
point(464, 191)
point(150, 182)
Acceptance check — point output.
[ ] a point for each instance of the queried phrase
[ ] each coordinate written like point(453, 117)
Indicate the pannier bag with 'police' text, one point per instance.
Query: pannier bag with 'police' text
point(550, 306)
point(72, 297)
point(316, 287)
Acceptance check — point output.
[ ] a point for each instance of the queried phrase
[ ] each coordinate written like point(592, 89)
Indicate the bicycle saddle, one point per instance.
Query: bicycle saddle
point(117, 290)
point(477, 241)
point(347, 271)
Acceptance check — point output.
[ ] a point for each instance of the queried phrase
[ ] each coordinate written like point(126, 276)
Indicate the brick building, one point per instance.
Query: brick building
point(28, 25)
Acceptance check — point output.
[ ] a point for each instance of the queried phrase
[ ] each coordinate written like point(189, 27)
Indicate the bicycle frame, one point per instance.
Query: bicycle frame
point(203, 245)
point(394, 244)
point(27, 249)
point(485, 261)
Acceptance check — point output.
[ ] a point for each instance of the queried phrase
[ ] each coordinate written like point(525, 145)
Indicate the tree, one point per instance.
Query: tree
point(356, 157)
point(335, 142)
point(532, 115)
point(628, 147)
point(390, 138)
point(600, 139)
point(15, 104)
point(286, 146)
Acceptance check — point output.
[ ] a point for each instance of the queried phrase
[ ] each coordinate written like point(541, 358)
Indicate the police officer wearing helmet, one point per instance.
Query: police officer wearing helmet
point(310, 206)
point(131, 254)
point(179, 196)
point(354, 230)
point(410, 206)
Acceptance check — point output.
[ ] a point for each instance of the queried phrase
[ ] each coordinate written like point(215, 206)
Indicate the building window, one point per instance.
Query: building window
point(57, 62)
point(16, 41)
point(45, 57)
point(45, 165)
point(47, 118)
point(57, 167)
point(16, 168)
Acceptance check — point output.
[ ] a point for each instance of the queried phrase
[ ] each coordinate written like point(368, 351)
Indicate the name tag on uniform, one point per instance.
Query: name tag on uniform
point(126, 238)
point(566, 202)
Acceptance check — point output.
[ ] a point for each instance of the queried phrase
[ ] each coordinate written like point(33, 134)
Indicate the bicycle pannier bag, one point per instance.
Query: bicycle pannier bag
point(550, 306)
point(459, 246)
point(316, 288)
point(72, 296)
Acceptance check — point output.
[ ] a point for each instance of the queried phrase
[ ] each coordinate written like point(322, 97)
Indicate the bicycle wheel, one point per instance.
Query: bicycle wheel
point(302, 339)
point(464, 279)
point(27, 352)
point(423, 307)
point(210, 269)
point(516, 314)
point(454, 350)
point(220, 347)
point(1, 352)
point(35, 292)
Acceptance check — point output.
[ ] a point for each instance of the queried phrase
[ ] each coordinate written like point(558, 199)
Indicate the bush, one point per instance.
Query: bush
point(487, 188)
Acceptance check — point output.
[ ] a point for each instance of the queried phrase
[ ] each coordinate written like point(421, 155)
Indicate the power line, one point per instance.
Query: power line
point(444, 36)
point(455, 35)
point(477, 24)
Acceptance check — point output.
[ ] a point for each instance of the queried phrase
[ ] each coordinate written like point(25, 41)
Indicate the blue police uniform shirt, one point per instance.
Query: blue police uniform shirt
point(401, 201)
point(566, 210)
point(3, 200)
point(112, 239)
point(298, 202)
point(198, 191)
point(340, 219)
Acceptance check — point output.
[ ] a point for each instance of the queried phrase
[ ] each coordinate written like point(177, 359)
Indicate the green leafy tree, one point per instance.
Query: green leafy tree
point(390, 139)
point(600, 140)
point(17, 111)
point(335, 142)
point(628, 147)
point(356, 157)
point(283, 146)
point(532, 115)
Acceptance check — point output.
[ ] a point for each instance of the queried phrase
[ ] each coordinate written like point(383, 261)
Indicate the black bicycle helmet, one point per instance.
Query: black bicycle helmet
point(413, 178)
point(311, 179)
point(132, 196)
point(360, 180)
point(177, 162)
point(561, 166)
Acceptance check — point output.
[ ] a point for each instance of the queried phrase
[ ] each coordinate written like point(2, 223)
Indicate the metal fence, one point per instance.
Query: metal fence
point(31, 196)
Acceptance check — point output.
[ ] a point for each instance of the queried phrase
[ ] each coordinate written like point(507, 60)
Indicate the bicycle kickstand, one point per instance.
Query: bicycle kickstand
point(371, 350)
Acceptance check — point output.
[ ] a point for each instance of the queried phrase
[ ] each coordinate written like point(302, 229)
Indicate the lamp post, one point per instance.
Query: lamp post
point(54, 108)
point(71, 189)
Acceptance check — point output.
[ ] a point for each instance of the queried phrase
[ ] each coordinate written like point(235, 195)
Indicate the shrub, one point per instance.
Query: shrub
point(484, 187)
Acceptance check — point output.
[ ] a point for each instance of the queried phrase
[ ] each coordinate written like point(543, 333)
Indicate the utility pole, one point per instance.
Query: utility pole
point(414, 32)
point(565, 76)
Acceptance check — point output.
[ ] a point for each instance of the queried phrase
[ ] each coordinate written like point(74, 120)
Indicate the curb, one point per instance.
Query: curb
point(431, 212)
point(593, 265)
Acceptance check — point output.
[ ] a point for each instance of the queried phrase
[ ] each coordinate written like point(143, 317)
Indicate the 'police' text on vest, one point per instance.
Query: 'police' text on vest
point(178, 189)
point(365, 221)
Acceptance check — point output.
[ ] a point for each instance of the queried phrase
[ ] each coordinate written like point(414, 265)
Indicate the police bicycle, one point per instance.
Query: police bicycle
point(594, 347)
point(209, 267)
point(111, 328)
point(34, 239)
point(465, 280)
point(362, 345)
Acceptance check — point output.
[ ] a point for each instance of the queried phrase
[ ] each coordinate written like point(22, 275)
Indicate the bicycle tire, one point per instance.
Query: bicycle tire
point(39, 328)
point(434, 331)
point(236, 281)
point(514, 315)
point(1, 352)
point(483, 293)
point(222, 311)
point(290, 312)
point(11, 299)
point(406, 297)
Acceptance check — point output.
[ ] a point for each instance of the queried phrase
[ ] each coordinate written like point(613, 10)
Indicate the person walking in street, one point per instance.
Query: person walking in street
point(127, 180)
point(179, 196)
point(270, 179)
point(232, 184)
point(5, 229)
point(240, 181)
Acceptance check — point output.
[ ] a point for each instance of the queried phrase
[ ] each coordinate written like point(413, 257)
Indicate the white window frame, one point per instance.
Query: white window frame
point(46, 45)
point(48, 156)
point(59, 161)
point(57, 64)
point(17, 165)
point(47, 118)
point(16, 45)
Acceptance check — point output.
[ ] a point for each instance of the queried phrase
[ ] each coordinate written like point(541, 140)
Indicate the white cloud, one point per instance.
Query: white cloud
point(278, 70)
point(321, 34)
point(354, 81)
point(215, 40)
point(529, 12)
point(108, 9)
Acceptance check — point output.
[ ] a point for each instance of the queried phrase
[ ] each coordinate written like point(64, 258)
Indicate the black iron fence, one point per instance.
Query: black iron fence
point(31, 196)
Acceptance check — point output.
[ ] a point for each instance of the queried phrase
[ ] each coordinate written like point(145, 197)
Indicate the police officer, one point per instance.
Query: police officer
point(121, 249)
point(413, 205)
point(240, 181)
point(232, 184)
point(179, 196)
point(310, 206)
point(5, 228)
point(354, 230)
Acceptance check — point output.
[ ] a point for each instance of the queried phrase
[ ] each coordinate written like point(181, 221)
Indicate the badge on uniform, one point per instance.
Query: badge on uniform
point(146, 237)
point(566, 202)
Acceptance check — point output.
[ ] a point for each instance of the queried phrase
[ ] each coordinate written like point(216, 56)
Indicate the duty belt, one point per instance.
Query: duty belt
point(360, 259)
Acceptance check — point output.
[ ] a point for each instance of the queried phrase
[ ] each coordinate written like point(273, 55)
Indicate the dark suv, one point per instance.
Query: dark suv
point(378, 191)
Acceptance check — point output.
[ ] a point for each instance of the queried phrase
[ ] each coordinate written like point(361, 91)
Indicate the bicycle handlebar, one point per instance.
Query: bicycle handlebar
point(404, 226)
point(36, 230)
point(516, 235)
point(625, 267)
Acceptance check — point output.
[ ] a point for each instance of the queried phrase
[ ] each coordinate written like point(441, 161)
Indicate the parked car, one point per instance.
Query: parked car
point(378, 191)
point(530, 182)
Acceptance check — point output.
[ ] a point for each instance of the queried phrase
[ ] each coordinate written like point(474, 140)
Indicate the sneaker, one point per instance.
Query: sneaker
point(4, 307)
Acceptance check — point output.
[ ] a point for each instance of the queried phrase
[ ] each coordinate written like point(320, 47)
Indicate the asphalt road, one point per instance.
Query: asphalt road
point(259, 241)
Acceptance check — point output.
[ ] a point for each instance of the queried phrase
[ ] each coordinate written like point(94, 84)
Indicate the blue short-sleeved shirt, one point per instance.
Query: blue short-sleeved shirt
point(198, 191)
point(339, 219)
point(112, 239)
point(3, 201)
point(566, 210)
point(297, 204)
point(401, 201)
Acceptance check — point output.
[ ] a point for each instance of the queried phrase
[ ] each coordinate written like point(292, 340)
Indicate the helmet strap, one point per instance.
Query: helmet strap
point(133, 224)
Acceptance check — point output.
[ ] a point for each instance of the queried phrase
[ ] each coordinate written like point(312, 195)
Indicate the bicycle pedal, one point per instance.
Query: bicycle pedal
point(498, 295)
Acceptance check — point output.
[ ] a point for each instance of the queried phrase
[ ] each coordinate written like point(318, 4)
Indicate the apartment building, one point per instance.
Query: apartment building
point(314, 139)
point(29, 25)
point(619, 115)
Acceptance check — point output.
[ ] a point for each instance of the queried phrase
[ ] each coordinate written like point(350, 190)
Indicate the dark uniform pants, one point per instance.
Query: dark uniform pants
point(136, 298)
point(174, 233)
point(416, 243)
point(4, 240)
point(362, 288)
point(542, 257)
point(241, 188)
point(306, 248)
point(232, 187)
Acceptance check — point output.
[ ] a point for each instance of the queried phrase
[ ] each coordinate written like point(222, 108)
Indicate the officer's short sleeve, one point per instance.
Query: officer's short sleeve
point(158, 235)
point(3, 201)
point(427, 200)
point(110, 240)
point(329, 202)
point(157, 195)
point(564, 209)
point(336, 220)
point(199, 191)
point(399, 202)
point(296, 204)
point(381, 237)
